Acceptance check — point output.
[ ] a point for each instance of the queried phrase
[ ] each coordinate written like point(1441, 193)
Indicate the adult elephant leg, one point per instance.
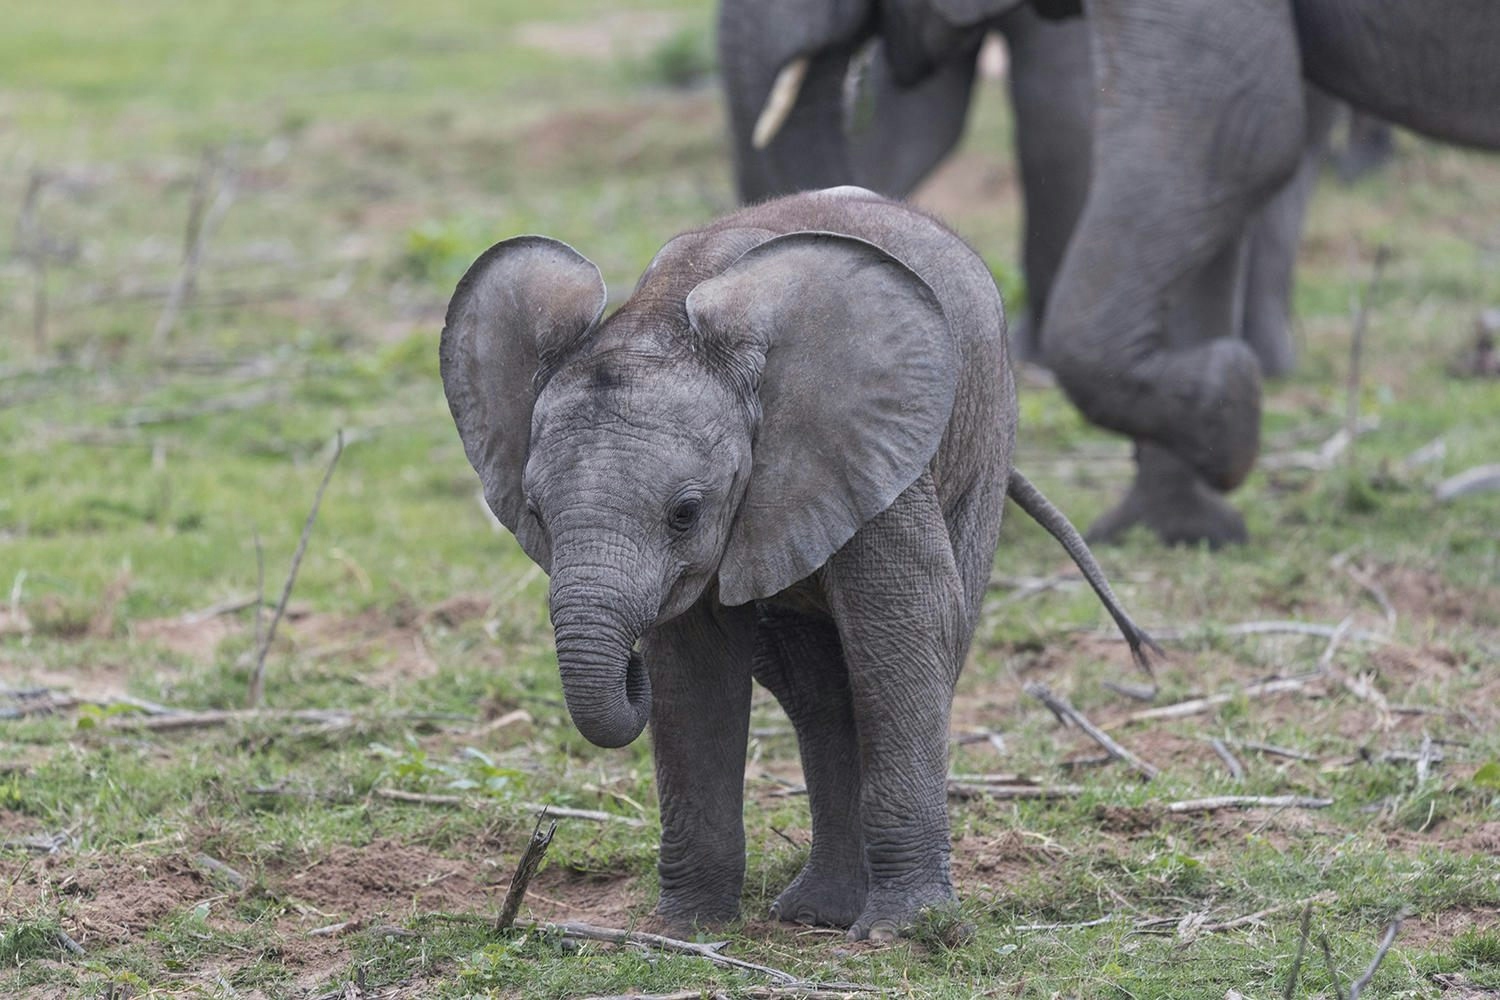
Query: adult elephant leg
point(799, 660)
point(1168, 495)
point(700, 719)
point(1275, 235)
point(1051, 94)
point(1199, 121)
point(897, 599)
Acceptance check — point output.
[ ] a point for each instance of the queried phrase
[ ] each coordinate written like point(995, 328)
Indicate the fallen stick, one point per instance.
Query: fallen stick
point(1195, 706)
point(710, 951)
point(1369, 586)
point(217, 867)
point(336, 930)
point(1291, 979)
point(752, 993)
point(67, 942)
point(530, 860)
point(1475, 480)
point(1236, 769)
point(203, 219)
point(966, 790)
point(1065, 711)
point(1107, 918)
point(562, 812)
point(205, 720)
point(1273, 750)
point(257, 673)
point(1356, 353)
point(1359, 984)
point(1248, 802)
point(1253, 628)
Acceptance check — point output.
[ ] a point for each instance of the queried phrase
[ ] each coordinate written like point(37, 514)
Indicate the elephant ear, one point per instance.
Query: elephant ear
point(855, 369)
point(521, 304)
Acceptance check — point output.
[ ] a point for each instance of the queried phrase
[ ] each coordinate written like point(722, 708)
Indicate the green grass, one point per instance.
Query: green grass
point(378, 151)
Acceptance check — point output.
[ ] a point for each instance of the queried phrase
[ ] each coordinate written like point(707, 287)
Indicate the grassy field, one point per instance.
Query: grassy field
point(367, 153)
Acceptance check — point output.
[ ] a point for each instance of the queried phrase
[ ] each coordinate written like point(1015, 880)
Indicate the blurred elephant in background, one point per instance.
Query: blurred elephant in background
point(877, 94)
point(1203, 115)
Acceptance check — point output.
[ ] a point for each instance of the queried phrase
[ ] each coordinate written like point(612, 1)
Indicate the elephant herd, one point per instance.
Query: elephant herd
point(785, 457)
point(1167, 150)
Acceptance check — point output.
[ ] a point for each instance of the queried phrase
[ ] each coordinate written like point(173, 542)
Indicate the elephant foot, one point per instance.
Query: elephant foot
point(683, 913)
point(1216, 426)
point(894, 911)
point(822, 898)
point(1173, 503)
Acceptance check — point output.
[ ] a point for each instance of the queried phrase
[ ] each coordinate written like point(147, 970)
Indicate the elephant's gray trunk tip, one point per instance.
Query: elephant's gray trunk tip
point(626, 719)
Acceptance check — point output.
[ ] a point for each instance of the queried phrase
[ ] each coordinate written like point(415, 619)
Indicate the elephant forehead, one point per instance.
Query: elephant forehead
point(666, 401)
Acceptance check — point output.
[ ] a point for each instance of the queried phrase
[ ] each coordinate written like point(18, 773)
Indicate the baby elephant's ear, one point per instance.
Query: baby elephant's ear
point(524, 299)
point(857, 375)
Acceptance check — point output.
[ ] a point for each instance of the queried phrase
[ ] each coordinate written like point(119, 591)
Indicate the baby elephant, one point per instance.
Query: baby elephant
point(784, 457)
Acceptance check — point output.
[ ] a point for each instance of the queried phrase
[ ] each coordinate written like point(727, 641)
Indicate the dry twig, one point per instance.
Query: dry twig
point(1065, 712)
point(1475, 480)
point(1356, 352)
point(1359, 984)
point(257, 673)
point(1236, 769)
point(562, 812)
point(217, 867)
point(1291, 979)
point(1195, 706)
point(1215, 803)
point(530, 860)
point(203, 219)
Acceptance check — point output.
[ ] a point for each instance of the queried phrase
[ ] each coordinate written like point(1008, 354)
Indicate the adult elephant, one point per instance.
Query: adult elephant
point(876, 93)
point(1202, 117)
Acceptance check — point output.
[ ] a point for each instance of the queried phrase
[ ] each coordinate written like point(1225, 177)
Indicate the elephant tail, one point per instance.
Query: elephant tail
point(1040, 509)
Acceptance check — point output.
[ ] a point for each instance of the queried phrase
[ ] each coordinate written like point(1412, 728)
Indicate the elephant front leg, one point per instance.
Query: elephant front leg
point(898, 602)
point(799, 660)
point(1170, 500)
point(700, 721)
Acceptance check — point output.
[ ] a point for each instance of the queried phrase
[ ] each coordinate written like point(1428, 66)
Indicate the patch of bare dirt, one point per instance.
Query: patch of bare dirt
point(1424, 595)
point(106, 898)
point(1434, 930)
point(387, 877)
point(626, 34)
point(196, 639)
point(560, 894)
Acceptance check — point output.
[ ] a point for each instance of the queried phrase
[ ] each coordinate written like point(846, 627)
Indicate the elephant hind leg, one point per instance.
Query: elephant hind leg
point(800, 661)
point(1171, 502)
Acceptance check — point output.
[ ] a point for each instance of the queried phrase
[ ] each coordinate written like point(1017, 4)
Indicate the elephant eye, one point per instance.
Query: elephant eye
point(684, 513)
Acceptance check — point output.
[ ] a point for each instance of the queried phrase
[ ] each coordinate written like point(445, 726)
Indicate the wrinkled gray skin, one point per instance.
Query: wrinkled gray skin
point(784, 457)
point(888, 120)
point(1203, 117)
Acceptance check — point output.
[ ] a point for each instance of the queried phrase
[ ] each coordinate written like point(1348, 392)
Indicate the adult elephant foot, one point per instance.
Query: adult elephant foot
point(822, 896)
point(1210, 410)
point(892, 911)
point(1173, 503)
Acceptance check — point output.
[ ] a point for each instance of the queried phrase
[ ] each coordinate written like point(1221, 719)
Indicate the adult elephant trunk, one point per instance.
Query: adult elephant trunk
point(757, 42)
point(812, 105)
point(604, 680)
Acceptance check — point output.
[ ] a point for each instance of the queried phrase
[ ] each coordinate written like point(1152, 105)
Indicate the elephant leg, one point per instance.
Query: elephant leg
point(1275, 234)
point(896, 596)
point(1051, 95)
point(799, 660)
point(700, 665)
point(1201, 120)
point(1170, 500)
point(1368, 146)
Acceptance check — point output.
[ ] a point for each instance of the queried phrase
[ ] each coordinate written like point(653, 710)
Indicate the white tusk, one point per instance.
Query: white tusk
point(779, 104)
